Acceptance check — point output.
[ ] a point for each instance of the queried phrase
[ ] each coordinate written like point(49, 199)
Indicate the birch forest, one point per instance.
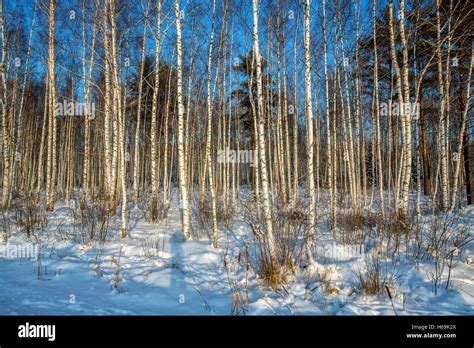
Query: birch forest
point(238, 156)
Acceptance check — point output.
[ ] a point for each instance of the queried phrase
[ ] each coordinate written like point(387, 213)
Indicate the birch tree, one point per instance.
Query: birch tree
point(181, 156)
point(332, 203)
point(461, 133)
point(377, 110)
point(261, 137)
point(136, 161)
point(209, 133)
point(154, 110)
point(442, 115)
point(51, 161)
point(407, 116)
point(309, 127)
point(5, 138)
point(87, 78)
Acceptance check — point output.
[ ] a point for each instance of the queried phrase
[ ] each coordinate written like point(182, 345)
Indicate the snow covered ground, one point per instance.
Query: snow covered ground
point(152, 272)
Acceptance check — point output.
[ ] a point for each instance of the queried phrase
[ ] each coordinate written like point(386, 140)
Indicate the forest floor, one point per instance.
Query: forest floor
point(153, 272)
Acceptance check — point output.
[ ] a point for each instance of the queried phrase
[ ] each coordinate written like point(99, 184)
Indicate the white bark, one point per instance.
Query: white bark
point(461, 132)
point(442, 116)
point(332, 203)
point(309, 127)
point(5, 137)
point(377, 111)
point(136, 161)
point(261, 137)
point(87, 83)
point(209, 133)
point(181, 157)
point(154, 110)
point(406, 134)
point(51, 161)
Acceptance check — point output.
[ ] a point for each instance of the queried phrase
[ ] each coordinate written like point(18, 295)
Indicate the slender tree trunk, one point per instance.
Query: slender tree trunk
point(51, 162)
point(377, 111)
point(154, 111)
point(295, 118)
point(309, 128)
point(427, 180)
point(181, 157)
point(89, 113)
point(332, 202)
point(401, 205)
point(442, 117)
point(465, 111)
point(261, 137)
point(5, 128)
point(209, 134)
point(110, 185)
point(136, 161)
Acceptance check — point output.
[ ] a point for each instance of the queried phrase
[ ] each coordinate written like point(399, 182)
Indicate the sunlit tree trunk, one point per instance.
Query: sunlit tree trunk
point(401, 203)
point(209, 133)
point(5, 128)
point(51, 161)
point(110, 185)
point(261, 137)
point(461, 133)
point(442, 116)
point(119, 123)
point(295, 118)
point(154, 111)
point(309, 126)
point(136, 161)
point(87, 78)
point(181, 158)
point(329, 150)
point(406, 135)
point(377, 111)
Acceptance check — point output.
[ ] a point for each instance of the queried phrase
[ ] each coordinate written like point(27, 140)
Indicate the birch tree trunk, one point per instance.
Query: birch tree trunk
point(110, 185)
point(154, 111)
point(209, 133)
point(442, 116)
point(5, 128)
point(461, 134)
point(181, 158)
point(119, 123)
point(87, 83)
point(332, 203)
point(309, 128)
point(402, 205)
point(136, 161)
point(261, 137)
point(44, 130)
point(407, 115)
point(377, 111)
point(295, 119)
point(51, 161)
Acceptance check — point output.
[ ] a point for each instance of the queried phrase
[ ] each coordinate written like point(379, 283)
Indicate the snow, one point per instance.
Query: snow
point(189, 278)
